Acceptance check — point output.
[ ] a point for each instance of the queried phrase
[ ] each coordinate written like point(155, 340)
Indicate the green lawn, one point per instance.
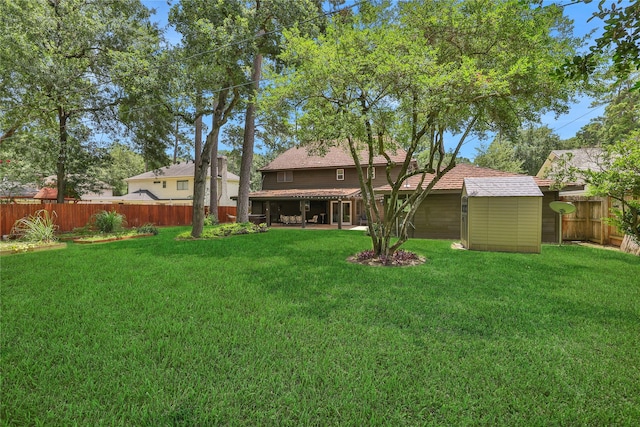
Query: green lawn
point(278, 329)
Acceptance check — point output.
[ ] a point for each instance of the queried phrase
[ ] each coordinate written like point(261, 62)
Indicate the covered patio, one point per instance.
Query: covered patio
point(334, 208)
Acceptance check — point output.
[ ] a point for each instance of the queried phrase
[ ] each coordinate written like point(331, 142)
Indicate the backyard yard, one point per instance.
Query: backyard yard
point(278, 328)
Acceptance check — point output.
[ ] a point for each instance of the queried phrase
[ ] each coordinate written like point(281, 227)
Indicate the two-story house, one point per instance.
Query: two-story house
point(301, 183)
point(174, 185)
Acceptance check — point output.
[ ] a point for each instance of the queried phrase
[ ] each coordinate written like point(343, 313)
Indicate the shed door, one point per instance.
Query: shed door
point(464, 223)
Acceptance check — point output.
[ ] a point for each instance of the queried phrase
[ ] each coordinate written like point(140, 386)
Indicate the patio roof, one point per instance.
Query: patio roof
point(306, 194)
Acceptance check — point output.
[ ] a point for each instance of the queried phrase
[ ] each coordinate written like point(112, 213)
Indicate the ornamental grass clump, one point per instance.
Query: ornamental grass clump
point(228, 229)
point(108, 222)
point(148, 229)
point(37, 228)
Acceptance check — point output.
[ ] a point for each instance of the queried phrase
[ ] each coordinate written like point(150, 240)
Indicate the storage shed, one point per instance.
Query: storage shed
point(501, 214)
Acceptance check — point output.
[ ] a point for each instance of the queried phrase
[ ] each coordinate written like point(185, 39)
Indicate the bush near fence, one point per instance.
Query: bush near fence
point(71, 215)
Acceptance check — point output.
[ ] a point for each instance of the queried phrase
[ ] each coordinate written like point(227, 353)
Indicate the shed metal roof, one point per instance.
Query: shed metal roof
point(514, 186)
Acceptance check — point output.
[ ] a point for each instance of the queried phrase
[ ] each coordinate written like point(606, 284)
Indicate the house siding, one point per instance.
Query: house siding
point(438, 217)
point(305, 179)
point(172, 193)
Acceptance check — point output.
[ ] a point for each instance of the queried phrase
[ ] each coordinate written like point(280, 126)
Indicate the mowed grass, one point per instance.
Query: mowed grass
point(278, 329)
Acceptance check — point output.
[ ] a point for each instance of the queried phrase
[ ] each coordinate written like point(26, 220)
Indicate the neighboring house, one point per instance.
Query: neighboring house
point(15, 192)
point(102, 193)
point(50, 195)
point(299, 183)
point(174, 185)
point(314, 186)
point(586, 223)
point(581, 159)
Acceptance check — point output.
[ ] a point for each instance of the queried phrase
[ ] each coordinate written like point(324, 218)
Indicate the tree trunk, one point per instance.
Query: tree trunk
point(199, 182)
point(630, 246)
point(246, 162)
point(222, 111)
point(213, 192)
point(175, 145)
point(62, 155)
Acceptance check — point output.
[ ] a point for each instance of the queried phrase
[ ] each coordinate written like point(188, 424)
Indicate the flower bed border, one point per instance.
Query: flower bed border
point(110, 239)
point(33, 249)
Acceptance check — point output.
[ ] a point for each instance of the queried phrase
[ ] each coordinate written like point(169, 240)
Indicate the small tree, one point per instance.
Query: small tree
point(411, 75)
point(620, 180)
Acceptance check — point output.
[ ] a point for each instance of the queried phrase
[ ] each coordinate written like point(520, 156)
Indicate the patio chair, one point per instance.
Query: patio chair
point(313, 220)
point(363, 220)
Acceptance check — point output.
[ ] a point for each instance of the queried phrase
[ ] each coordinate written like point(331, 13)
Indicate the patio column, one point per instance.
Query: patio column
point(303, 208)
point(268, 213)
point(339, 214)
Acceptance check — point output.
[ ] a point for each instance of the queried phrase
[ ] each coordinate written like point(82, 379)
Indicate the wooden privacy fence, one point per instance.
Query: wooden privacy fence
point(587, 223)
point(71, 215)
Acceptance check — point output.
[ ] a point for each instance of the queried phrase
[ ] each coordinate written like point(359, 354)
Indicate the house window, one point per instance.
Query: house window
point(183, 185)
point(164, 184)
point(340, 174)
point(285, 176)
point(156, 182)
point(373, 173)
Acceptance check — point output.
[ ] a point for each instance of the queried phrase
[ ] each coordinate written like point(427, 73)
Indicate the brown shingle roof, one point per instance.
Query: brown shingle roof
point(453, 180)
point(305, 158)
point(47, 193)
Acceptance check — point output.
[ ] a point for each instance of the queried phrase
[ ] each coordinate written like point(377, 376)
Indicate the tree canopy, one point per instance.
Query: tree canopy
point(64, 65)
point(407, 75)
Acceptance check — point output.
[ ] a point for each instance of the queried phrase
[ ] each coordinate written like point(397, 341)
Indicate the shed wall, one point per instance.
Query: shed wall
point(508, 224)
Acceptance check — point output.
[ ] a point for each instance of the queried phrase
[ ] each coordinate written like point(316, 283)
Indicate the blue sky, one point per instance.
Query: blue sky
point(566, 126)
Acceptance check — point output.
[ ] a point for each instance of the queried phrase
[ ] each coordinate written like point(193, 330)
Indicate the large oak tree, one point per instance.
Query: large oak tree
point(65, 64)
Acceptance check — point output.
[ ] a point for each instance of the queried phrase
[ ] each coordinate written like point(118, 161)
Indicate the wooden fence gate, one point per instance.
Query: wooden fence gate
point(587, 223)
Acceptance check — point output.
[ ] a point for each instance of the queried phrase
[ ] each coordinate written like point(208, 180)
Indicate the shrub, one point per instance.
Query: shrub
point(148, 229)
point(39, 227)
point(228, 229)
point(108, 222)
point(210, 220)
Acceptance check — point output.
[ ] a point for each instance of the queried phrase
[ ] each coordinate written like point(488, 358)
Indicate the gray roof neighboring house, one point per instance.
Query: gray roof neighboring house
point(140, 195)
point(14, 189)
point(178, 170)
point(515, 186)
point(592, 158)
